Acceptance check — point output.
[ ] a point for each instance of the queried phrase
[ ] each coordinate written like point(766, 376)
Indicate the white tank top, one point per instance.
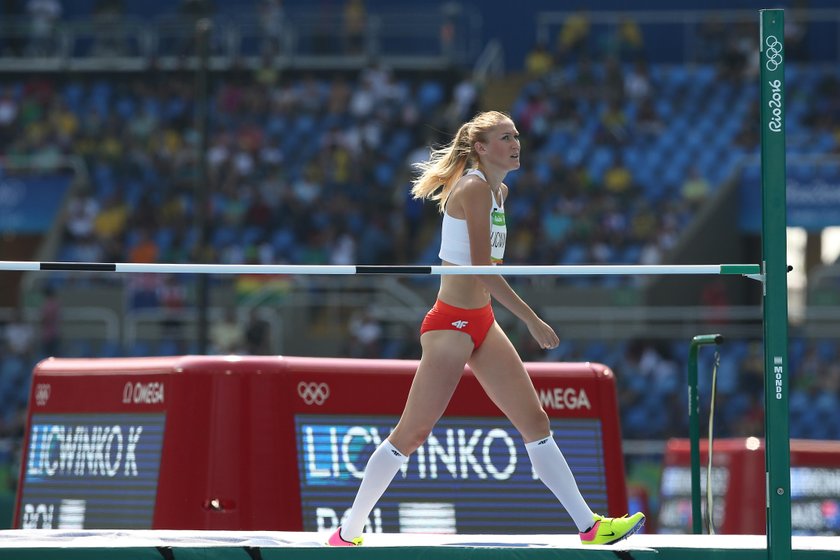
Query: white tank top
point(455, 239)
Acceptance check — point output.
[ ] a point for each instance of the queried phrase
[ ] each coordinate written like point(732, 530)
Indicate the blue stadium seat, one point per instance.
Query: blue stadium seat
point(163, 238)
point(73, 95)
point(429, 95)
point(630, 254)
point(110, 349)
point(126, 107)
point(224, 235)
point(574, 254)
point(827, 350)
point(79, 349)
point(140, 348)
point(384, 174)
point(168, 347)
point(397, 146)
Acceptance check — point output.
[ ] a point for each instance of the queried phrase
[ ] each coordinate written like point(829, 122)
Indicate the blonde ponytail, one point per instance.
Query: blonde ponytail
point(448, 164)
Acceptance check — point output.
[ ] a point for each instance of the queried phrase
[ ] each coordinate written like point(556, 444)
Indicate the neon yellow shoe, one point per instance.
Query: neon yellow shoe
point(337, 540)
point(609, 530)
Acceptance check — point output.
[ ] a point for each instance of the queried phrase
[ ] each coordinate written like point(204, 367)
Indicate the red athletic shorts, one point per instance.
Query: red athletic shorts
point(474, 322)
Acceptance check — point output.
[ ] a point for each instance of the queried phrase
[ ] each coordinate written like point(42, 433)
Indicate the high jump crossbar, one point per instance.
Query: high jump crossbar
point(748, 270)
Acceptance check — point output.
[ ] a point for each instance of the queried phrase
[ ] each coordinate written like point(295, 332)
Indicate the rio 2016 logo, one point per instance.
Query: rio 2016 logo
point(774, 61)
point(775, 103)
point(774, 53)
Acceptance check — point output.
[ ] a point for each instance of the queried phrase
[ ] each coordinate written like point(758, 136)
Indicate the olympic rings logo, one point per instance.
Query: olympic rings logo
point(313, 393)
point(774, 53)
point(42, 393)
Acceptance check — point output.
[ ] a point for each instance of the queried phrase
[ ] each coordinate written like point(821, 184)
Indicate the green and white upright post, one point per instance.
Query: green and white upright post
point(774, 262)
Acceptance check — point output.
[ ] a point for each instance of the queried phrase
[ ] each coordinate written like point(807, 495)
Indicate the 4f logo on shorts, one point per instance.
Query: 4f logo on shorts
point(460, 324)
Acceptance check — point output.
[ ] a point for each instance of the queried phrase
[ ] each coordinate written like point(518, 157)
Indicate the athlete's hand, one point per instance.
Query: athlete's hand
point(543, 333)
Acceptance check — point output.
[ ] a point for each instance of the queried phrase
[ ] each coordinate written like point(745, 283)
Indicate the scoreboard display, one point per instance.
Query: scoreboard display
point(467, 478)
point(739, 490)
point(280, 443)
point(116, 455)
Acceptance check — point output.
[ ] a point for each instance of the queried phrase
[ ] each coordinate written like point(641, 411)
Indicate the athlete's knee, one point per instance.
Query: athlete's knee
point(537, 425)
point(407, 440)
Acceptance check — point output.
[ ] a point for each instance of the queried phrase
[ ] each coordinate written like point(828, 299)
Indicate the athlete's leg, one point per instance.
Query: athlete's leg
point(440, 369)
point(445, 353)
point(500, 371)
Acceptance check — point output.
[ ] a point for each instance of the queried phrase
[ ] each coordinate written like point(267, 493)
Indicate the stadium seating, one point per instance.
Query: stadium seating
point(701, 117)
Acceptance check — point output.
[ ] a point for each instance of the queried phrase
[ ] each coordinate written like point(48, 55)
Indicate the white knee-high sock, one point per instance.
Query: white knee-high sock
point(381, 468)
point(551, 467)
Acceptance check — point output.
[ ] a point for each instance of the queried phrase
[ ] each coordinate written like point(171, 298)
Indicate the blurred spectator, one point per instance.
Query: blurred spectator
point(272, 22)
point(194, 9)
point(824, 108)
point(338, 98)
point(172, 299)
point(110, 222)
point(533, 118)
point(106, 7)
point(110, 38)
point(43, 16)
point(807, 373)
point(363, 100)
point(343, 249)
point(145, 250)
point(736, 60)
point(19, 335)
point(669, 227)
point(649, 124)
point(695, 189)
point(80, 215)
point(613, 125)
point(651, 253)
point(8, 116)
point(618, 179)
point(830, 383)
point(63, 121)
point(657, 365)
point(12, 45)
point(464, 102)
point(257, 332)
point(751, 370)
point(446, 33)
point(226, 335)
point(585, 83)
point(308, 188)
point(50, 323)
point(637, 83)
point(796, 31)
point(712, 36)
point(556, 221)
point(751, 423)
point(365, 335)
point(267, 74)
point(715, 300)
point(613, 84)
point(748, 137)
point(629, 41)
point(354, 27)
point(565, 113)
point(573, 37)
point(539, 60)
point(374, 245)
